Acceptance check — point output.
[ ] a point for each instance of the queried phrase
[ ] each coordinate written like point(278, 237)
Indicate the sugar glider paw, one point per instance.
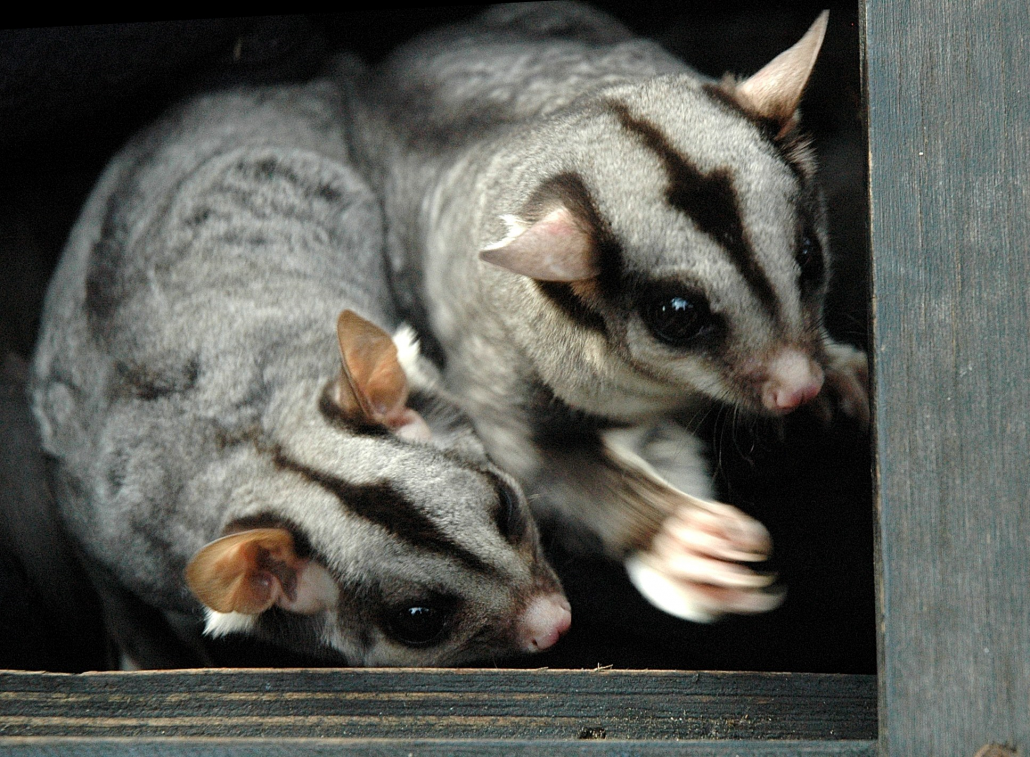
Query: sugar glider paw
point(846, 385)
point(696, 567)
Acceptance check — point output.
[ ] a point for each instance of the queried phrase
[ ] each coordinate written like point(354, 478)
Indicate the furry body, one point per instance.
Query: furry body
point(183, 386)
point(558, 195)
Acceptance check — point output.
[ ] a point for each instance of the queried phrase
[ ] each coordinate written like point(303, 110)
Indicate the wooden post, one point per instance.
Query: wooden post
point(949, 141)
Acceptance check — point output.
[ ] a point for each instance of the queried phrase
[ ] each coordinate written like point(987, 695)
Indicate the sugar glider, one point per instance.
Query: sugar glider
point(601, 239)
point(235, 435)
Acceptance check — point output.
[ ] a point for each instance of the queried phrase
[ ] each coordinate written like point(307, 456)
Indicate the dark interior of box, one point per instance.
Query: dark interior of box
point(71, 95)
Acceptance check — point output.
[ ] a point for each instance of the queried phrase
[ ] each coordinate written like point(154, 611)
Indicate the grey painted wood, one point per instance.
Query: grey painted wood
point(413, 748)
point(949, 138)
point(443, 705)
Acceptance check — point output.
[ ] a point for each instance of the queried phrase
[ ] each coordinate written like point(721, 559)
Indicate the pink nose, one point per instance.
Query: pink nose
point(543, 622)
point(793, 379)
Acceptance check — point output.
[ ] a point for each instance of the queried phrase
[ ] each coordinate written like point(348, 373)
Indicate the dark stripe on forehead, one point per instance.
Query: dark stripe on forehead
point(706, 198)
point(381, 504)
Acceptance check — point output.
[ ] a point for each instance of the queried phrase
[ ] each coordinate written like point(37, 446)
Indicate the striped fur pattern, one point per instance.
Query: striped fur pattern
point(600, 237)
point(188, 385)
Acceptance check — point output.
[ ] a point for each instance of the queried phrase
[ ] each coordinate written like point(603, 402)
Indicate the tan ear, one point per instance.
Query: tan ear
point(372, 384)
point(555, 248)
point(374, 381)
point(247, 572)
point(775, 91)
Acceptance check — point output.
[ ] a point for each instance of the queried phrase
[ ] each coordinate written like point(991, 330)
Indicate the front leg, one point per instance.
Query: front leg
point(690, 557)
point(696, 566)
point(846, 384)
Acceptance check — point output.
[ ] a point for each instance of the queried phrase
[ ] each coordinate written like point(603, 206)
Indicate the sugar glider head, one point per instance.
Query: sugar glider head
point(683, 249)
point(379, 532)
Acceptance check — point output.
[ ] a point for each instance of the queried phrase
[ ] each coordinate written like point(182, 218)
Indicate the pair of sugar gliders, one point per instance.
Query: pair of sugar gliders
point(595, 236)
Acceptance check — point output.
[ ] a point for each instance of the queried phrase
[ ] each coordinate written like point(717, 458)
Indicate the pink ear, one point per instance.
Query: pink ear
point(775, 91)
point(555, 248)
point(247, 572)
point(372, 384)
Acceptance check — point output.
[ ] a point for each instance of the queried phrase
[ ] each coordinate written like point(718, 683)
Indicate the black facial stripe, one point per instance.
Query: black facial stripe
point(335, 415)
point(709, 200)
point(301, 545)
point(381, 504)
point(570, 190)
point(577, 311)
point(509, 517)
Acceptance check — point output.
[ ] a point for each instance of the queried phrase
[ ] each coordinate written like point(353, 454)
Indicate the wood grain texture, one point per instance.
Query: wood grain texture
point(949, 137)
point(376, 748)
point(407, 705)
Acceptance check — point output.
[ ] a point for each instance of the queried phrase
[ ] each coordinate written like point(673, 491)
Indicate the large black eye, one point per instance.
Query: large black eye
point(809, 258)
point(678, 318)
point(419, 624)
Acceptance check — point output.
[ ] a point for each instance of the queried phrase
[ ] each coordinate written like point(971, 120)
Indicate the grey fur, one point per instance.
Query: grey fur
point(473, 133)
point(187, 338)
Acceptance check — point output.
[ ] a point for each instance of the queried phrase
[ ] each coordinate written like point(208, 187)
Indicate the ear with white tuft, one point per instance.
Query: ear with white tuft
point(248, 572)
point(555, 248)
point(373, 386)
point(225, 623)
point(775, 91)
point(408, 352)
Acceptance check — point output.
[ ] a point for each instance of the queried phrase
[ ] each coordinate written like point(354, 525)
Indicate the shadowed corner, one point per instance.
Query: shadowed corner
point(51, 618)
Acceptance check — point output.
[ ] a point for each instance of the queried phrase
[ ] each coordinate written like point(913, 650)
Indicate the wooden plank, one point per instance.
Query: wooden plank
point(377, 748)
point(442, 705)
point(949, 138)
